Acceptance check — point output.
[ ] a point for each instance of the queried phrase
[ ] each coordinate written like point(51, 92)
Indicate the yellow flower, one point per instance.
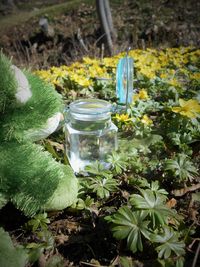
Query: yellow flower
point(141, 95)
point(89, 61)
point(195, 76)
point(188, 108)
point(163, 75)
point(135, 97)
point(110, 62)
point(173, 82)
point(122, 117)
point(146, 120)
point(56, 82)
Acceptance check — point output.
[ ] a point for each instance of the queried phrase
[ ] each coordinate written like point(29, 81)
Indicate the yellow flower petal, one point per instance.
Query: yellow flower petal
point(122, 117)
point(136, 97)
point(182, 102)
point(146, 120)
point(188, 114)
point(188, 108)
point(194, 105)
point(143, 94)
point(176, 109)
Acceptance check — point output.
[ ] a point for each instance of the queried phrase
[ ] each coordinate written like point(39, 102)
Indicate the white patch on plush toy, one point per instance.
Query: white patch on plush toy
point(51, 125)
point(23, 90)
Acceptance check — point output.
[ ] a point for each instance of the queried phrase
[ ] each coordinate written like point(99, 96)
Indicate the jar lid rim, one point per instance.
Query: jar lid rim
point(90, 106)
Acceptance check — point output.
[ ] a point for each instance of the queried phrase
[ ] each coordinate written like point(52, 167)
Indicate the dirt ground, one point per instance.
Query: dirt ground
point(74, 29)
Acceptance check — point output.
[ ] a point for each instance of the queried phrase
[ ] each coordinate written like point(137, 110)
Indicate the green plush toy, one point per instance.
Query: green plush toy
point(29, 111)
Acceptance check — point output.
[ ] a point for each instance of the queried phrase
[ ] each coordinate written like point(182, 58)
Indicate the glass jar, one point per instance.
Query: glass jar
point(90, 134)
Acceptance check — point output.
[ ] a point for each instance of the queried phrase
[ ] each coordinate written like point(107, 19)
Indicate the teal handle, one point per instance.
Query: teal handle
point(124, 80)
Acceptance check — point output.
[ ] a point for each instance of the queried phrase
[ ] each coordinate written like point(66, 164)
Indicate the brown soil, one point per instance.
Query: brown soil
point(76, 29)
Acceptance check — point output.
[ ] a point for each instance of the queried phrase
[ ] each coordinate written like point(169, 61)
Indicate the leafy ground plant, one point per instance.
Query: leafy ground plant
point(182, 167)
point(144, 210)
point(148, 219)
point(131, 226)
point(101, 181)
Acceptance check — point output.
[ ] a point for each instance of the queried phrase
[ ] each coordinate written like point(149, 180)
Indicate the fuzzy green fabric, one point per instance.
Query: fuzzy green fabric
point(29, 176)
point(7, 86)
point(33, 115)
point(10, 254)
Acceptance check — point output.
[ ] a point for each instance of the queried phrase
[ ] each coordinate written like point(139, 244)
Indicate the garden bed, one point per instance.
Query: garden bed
point(144, 210)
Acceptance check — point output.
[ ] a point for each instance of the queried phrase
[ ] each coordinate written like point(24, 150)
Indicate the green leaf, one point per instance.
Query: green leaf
point(84, 203)
point(39, 221)
point(36, 249)
point(169, 243)
point(181, 167)
point(171, 262)
point(154, 205)
point(126, 262)
point(11, 256)
point(180, 262)
point(47, 239)
point(118, 162)
point(130, 225)
point(103, 186)
point(147, 141)
point(51, 149)
point(3, 200)
point(97, 169)
point(156, 188)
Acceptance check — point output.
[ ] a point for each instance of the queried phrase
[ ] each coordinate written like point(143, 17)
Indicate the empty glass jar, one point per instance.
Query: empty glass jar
point(89, 132)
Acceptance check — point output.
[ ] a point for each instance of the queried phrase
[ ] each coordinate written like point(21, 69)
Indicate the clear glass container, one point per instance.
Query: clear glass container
point(90, 134)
